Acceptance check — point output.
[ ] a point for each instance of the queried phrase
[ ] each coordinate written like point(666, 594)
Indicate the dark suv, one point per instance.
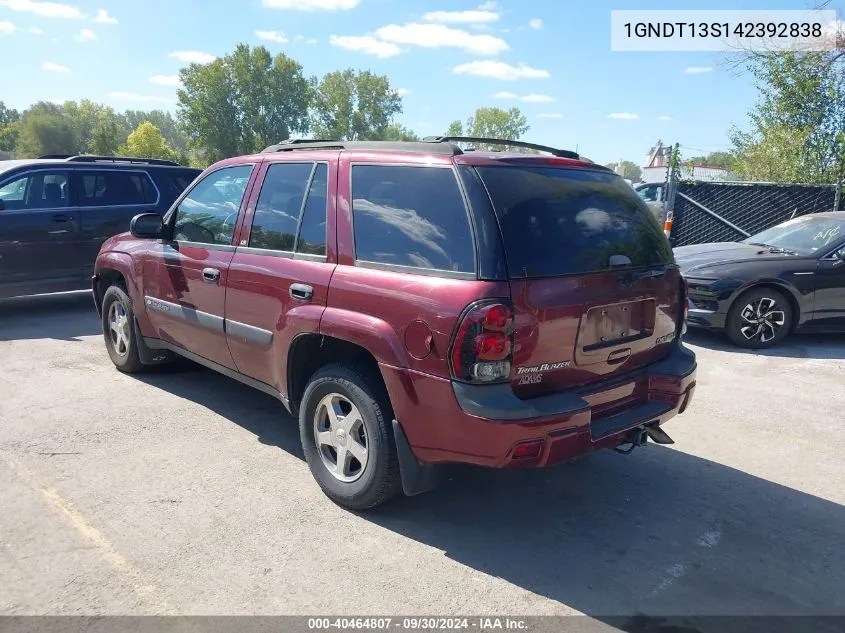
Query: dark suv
point(56, 211)
point(414, 304)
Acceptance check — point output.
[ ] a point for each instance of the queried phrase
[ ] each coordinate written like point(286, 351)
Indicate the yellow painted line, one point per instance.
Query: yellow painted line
point(133, 576)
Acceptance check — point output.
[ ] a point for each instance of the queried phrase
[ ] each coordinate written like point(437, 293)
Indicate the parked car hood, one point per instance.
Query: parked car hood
point(704, 256)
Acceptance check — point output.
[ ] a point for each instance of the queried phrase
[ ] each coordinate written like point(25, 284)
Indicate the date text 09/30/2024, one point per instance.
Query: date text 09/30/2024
point(418, 624)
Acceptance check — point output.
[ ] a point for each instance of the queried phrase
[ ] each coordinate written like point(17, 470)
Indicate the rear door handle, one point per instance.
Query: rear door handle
point(211, 275)
point(303, 292)
point(60, 217)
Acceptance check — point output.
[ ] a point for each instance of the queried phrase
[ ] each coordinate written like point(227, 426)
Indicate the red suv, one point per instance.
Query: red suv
point(414, 304)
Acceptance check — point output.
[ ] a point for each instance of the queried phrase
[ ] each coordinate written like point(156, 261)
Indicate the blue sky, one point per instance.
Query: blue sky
point(551, 58)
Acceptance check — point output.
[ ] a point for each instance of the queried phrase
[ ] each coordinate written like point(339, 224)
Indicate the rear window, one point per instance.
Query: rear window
point(172, 182)
point(411, 216)
point(116, 188)
point(572, 221)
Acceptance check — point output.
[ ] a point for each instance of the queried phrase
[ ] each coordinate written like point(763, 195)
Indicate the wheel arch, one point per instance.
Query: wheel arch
point(310, 351)
point(781, 287)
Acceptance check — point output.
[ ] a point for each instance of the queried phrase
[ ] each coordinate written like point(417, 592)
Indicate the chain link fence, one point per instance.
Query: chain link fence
point(699, 212)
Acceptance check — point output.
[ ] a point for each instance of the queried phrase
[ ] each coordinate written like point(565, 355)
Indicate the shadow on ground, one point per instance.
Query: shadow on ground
point(659, 532)
point(65, 317)
point(818, 346)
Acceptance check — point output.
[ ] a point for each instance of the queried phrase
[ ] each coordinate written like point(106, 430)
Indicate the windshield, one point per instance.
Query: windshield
point(558, 221)
point(804, 235)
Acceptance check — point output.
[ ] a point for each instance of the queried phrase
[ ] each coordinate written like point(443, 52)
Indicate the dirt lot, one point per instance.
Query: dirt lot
point(187, 493)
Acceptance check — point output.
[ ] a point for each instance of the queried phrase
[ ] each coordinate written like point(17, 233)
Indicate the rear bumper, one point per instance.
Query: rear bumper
point(446, 421)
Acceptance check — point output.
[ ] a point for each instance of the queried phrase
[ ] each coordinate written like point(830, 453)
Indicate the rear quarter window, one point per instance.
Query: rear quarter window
point(563, 221)
point(411, 216)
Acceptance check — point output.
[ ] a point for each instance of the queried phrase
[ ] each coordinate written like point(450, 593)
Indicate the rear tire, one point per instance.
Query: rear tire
point(759, 318)
point(345, 425)
point(119, 330)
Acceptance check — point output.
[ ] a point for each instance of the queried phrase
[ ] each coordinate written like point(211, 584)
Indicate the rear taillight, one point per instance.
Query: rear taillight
point(482, 351)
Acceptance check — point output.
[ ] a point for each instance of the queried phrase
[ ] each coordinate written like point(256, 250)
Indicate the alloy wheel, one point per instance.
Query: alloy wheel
point(119, 328)
point(341, 437)
point(761, 320)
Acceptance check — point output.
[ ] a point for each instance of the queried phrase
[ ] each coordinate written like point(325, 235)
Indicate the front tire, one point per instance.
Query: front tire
point(759, 318)
point(118, 330)
point(345, 425)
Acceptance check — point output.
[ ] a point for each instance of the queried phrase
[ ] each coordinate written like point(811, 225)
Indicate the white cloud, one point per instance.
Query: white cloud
point(166, 80)
point(664, 117)
point(439, 35)
point(271, 36)
point(500, 70)
point(7, 28)
point(550, 115)
point(402, 91)
point(535, 98)
point(131, 96)
point(536, 23)
point(697, 70)
point(624, 116)
point(35, 30)
point(504, 94)
point(461, 17)
point(44, 9)
point(311, 5)
point(193, 57)
point(55, 68)
point(85, 35)
point(365, 44)
point(103, 17)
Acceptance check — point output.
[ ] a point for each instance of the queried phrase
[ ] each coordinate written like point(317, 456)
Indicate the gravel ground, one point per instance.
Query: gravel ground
point(186, 493)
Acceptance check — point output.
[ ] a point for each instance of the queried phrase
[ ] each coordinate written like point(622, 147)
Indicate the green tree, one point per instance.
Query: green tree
point(44, 129)
point(107, 135)
point(163, 120)
point(354, 105)
point(456, 128)
point(714, 159)
point(798, 125)
point(627, 169)
point(495, 123)
point(9, 119)
point(243, 102)
point(146, 141)
point(398, 132)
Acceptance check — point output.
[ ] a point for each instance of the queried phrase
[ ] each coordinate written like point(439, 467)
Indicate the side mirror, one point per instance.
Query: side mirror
point(147, 226)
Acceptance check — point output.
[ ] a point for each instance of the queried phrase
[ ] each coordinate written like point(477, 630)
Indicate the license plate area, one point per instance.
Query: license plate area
point(611, 325)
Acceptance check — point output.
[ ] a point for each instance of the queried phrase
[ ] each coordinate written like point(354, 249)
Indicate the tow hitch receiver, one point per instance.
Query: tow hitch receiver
point(640, 436)
point(659, 436)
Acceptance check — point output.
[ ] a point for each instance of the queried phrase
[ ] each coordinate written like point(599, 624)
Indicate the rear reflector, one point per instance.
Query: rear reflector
point(527, 450)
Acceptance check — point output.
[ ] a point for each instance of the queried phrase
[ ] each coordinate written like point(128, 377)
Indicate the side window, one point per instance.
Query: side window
point(410, 216)
point(115, 188)
point(312, 228)
point(36, 190)
point(650, 194)
point(209, 212)
point(279, 205)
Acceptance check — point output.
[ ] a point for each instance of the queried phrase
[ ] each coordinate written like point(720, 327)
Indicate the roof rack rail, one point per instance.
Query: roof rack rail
point(54, 156)
point(290, 145)
point(560, 153)
point(122, 159)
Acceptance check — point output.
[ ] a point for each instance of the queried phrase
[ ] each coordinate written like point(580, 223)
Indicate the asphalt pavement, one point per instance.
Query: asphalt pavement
point(184, 492)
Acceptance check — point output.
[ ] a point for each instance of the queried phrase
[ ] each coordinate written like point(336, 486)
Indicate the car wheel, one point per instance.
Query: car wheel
point(759, 318)
point(118, 332)
point(345, 424)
